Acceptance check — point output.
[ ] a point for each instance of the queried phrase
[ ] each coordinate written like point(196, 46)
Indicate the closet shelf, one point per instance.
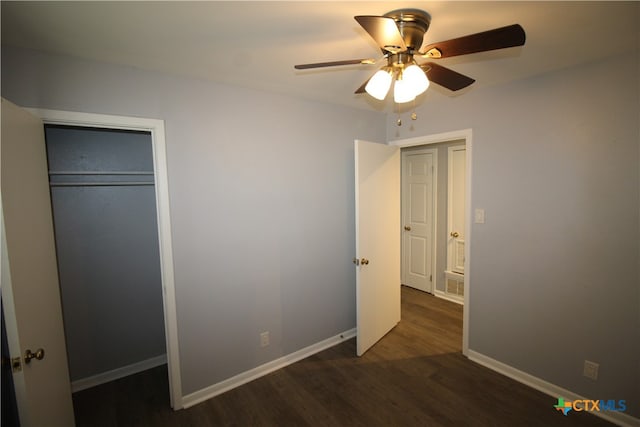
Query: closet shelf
point(101, 184)
point(100, 172)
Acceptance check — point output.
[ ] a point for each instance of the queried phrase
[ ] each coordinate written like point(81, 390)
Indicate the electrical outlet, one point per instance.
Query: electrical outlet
point(264, 339)
point(590, 369)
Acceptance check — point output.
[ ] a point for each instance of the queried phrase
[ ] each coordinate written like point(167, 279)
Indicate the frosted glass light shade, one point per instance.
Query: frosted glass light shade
point(379, 84)
point(416, 79)
point(403, 92)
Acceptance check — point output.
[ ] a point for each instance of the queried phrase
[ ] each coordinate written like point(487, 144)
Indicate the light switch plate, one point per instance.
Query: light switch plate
point(479, 216)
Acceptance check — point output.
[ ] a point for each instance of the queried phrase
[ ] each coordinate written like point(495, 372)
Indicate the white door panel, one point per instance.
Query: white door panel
point(30, 291)
point(418, 222)
point(418, 251)
point(377, 190)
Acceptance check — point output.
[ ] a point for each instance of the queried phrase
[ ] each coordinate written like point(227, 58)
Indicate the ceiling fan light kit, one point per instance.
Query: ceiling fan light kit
point(400, 36)
point(379, 84)
point(402, 92)
point(410, 80)
point(414, 79)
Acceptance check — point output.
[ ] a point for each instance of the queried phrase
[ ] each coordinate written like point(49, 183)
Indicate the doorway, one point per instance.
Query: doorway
point(433, 207)
point(462, 138)
point(155, 128)
point(104, 213)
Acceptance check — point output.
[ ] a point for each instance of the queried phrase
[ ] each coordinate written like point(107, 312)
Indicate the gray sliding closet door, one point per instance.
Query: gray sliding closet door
point(104, 211)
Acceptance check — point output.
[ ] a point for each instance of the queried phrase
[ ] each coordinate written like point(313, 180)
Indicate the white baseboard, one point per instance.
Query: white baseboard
point(257, 372)
point(118, 373)
point(553, 390)
point(444, 295)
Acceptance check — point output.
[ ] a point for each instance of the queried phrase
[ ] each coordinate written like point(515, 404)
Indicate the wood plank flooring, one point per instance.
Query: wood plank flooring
point(414, 376)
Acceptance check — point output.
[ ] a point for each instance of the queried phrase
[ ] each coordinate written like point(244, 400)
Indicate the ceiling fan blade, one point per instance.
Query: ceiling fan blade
point(499, 38)
point(446, 77)
point(361, 88)
point(334, 63)
point(384, 31)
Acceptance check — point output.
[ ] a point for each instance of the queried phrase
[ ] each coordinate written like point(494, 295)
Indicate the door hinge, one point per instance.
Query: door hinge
point(431, 277)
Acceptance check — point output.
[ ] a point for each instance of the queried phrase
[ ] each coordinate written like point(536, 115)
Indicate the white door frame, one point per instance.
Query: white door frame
point(156, 127)
point(466, 135)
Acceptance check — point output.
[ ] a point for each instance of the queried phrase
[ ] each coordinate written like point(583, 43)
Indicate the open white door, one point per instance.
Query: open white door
point(377, 168)
point(456, 208)
point(30, 290)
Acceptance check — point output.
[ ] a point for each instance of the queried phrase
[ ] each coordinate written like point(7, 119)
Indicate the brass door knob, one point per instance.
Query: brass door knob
point(364, 261)
point(454, 234)
point(28, 355)
point(408, 228)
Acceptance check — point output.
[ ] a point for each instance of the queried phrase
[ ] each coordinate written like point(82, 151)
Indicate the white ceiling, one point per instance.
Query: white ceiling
point(256, 44)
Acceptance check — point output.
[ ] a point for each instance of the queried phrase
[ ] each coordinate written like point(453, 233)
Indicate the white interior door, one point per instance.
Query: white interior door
point(377, 184)
point(456, 209)
point(30, 291)
point(417, 219)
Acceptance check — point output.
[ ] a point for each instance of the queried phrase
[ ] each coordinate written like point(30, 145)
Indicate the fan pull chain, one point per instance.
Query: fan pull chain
point(414, 115)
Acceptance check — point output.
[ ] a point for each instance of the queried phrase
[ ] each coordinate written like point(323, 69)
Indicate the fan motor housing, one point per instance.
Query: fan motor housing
point(412, 24)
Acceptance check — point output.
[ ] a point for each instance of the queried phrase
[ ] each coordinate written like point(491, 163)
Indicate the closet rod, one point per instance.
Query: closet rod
point(100, 184)
point(100, 173)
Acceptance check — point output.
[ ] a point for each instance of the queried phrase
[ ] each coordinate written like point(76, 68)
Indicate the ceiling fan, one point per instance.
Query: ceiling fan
point(400, 34)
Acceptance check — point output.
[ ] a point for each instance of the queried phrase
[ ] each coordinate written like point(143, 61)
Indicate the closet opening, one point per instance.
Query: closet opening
point(104, 205)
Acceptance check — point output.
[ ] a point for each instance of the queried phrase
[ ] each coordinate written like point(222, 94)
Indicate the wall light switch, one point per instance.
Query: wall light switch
point(479, 216)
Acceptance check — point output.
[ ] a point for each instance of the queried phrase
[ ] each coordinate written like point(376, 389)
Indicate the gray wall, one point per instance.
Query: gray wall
point(261, 190)
point(554, 270)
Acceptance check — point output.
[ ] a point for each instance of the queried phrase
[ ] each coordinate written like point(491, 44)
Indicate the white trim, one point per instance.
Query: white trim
point(433, 139)
point(466, 135)
point(156, 127)
point(259, 371)
point(115, 374)
point(546, 387)
point(448, 297)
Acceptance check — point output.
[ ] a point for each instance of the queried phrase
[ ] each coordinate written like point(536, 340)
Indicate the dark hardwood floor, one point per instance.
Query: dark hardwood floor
point(414, 376)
